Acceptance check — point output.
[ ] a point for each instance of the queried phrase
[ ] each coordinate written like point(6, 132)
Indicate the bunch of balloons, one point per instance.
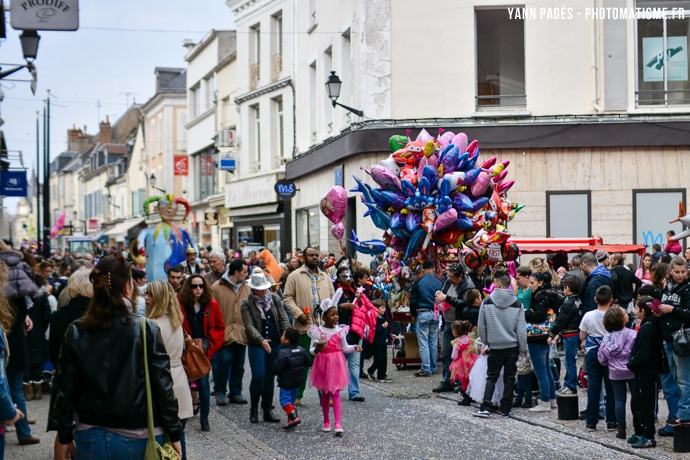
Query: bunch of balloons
point(433, 194)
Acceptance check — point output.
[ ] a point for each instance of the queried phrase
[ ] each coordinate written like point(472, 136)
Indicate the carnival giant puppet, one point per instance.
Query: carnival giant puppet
point(165, 244)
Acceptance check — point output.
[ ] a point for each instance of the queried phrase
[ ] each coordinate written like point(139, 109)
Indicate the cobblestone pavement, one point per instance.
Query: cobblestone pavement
point(399, 420)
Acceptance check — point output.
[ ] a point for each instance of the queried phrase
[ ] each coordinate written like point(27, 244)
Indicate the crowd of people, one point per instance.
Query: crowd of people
point(314, 320)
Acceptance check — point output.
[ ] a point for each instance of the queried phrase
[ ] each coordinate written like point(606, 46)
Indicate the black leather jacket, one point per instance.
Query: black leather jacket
point(100, 377)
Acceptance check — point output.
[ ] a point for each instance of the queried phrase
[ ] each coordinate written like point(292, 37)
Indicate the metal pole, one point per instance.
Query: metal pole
point(46, 186)
point(39, 229)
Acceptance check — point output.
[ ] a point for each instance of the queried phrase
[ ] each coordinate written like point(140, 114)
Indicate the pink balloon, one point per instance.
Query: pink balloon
point(338, 230)
point(333, 204)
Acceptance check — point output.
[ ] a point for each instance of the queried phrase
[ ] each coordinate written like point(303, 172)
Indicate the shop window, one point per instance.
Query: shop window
point(652, 210)
point(568, 214)
point(500, 59)
point(662, 29)
point(307, 227)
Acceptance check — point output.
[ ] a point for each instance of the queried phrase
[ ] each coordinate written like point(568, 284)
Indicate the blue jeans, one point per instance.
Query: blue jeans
point(101, 444)
point(596, 373)
point(228, 369)
point(287, 396)
point(683, 381)
point(446, 350)
point(524, 387)
point(427, 337)
point(15, 380)
point(353, 366)
point(620, 395)
point(204, 390)
point(541, 363)
point(261, 363)
point(570, 347)
point(670, 388)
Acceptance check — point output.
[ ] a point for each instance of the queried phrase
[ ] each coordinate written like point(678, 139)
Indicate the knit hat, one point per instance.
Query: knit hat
point(601, 255)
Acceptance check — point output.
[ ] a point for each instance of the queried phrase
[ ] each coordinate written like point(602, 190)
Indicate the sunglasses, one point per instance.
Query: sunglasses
point(197, 286)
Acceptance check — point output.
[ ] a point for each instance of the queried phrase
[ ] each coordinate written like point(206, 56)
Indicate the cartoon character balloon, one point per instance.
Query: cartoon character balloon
point(333, 206)
point(58, 226)
point(164, 245)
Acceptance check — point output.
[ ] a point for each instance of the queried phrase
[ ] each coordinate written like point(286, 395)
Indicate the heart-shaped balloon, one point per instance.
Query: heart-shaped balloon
point(338, 230)
point(333, 204)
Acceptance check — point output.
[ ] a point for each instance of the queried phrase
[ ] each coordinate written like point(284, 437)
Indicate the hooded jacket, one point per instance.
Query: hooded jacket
point(600, 276)
point(459, 309)
point(290, 365)
point(614, 352)
point(678, 296)
point(21, 276)
point(502, 321)
point(646, 351)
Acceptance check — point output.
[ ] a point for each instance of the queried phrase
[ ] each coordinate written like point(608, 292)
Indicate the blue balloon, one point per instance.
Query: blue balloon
point(415, 240)
point(371, 247)
point(413, 221)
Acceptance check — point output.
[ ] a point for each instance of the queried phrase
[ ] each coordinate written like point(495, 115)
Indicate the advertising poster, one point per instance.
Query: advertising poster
point(674, 58)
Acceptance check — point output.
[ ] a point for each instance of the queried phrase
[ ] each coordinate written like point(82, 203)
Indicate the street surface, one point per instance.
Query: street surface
point(399, 420)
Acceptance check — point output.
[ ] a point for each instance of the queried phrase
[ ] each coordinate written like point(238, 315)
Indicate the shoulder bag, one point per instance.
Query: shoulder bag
point(154, 451)
point(194, 359)
point(681, 341)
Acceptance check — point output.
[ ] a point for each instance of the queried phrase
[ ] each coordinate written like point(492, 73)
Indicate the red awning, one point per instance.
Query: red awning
point(570, 245)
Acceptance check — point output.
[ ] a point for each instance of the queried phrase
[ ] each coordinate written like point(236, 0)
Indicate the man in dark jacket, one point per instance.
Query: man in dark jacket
point(454, 308)
point(597, 276)
point(289, 367)
point(422, 304)
point(624, 283)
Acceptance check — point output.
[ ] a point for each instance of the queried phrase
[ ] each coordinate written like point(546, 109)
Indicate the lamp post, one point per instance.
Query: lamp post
point(333, 85)
point(152, 181)
point(29, 40)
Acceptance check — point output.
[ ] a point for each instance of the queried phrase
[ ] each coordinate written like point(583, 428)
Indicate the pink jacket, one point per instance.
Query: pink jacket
point(364, 314)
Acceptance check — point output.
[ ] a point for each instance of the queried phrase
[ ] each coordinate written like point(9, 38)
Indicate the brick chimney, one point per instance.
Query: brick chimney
point(106, 132)
point(76, 139)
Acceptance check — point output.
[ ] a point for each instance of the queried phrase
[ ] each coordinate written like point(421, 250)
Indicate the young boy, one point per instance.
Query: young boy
point(524, 293)
point(566, 328)
point(289, 367)
point(592, 331)
point(380, 344)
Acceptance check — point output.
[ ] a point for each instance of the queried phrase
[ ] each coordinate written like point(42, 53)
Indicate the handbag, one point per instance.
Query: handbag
point(154, 451)
point(542, 329)
point(194, 359)
point(681, 342)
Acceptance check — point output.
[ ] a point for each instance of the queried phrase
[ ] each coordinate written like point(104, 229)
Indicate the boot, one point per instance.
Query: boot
point(293, 418)
point(267, 405)
point(38, 387)
point(28, 391)
point(254, 408)
point(195, 401)
point(621, 432)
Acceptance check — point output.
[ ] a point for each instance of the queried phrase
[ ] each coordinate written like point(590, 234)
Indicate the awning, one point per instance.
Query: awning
point(123, 227)
point(570, 245)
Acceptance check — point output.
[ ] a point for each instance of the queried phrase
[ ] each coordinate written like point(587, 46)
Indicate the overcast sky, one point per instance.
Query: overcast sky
point(111, 59)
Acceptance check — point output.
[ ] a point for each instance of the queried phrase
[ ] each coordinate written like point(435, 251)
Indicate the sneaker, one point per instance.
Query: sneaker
point(481, 413)
point(611, 426)
point(591, 427)
point(527, 405)
point(221, 399)
point(370, 376)
point(339, 430)
point(298, 402)
point(541, 406)
point(466, 401)
point(385, 380)
point(643, 442)
point(326, 428)
point(553, 403)
point(517, 403)
point(633, 439)
point(505, 415)
point(363, 376)
point(443, 388)
point(421, 373)
point(566, 391)
point(664, 432)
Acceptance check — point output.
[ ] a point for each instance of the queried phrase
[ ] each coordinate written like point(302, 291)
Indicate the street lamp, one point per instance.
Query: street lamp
point(152, 181)
point(333, 85)
point(110, 202)
point(29, 39)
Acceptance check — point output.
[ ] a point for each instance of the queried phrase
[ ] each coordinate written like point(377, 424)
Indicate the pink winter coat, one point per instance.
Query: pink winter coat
point(614, 352)
point(364, 314)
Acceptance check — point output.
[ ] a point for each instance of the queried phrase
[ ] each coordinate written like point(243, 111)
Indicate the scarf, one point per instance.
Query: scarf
point(264, 303)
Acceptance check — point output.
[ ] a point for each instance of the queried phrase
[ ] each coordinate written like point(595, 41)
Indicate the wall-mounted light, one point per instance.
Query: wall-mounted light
point(333, 85)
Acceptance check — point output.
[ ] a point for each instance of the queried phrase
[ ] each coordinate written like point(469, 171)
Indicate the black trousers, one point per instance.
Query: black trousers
point(380, 352)
point(505, 359)
point(644, 402)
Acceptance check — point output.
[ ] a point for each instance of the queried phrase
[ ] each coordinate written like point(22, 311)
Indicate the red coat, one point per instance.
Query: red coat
point(364, 314)
point(214, 328)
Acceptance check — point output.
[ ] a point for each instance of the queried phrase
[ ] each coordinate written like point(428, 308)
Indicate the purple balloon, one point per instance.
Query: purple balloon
point(413, 221)
point(461, 202)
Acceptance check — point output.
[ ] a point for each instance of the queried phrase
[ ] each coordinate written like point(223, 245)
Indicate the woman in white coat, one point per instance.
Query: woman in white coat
point(163, 308)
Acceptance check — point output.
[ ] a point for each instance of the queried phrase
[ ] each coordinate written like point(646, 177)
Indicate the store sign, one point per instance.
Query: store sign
point(181, 163)
point(250, 192)
point(13, 183)
point(228, 164)
point(226, 138)
point(285, 189)
point(211, 218)
point(44, 14)
point(93, 224)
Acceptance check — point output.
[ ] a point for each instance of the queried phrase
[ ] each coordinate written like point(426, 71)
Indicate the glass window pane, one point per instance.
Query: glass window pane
point(569, 215)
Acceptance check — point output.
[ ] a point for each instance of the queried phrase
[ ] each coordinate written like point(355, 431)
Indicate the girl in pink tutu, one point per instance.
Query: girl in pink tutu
point(329, 373)
point(462, 357)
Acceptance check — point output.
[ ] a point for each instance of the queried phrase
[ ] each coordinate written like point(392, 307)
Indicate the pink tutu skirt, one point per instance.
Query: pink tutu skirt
point(329, 372)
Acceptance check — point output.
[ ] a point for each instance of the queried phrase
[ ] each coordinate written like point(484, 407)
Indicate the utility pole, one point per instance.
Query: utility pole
point(39, 229)
point(46, 183)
